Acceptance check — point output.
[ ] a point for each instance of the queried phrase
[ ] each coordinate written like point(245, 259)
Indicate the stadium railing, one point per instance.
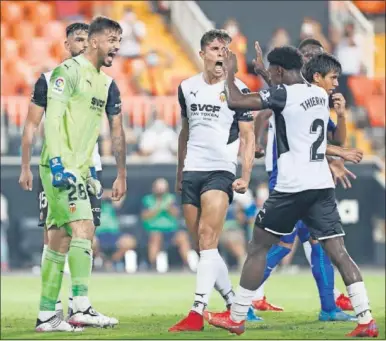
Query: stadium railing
point(191, 23)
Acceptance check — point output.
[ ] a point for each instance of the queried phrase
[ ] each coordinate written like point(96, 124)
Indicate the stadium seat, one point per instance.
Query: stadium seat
point(375, 106)
point(53, 30)
point(42, 12)
point(10, 49)
point(4, 30)
point(23, 30)
point(371, 7)
point(12, 11)
point(361, 87)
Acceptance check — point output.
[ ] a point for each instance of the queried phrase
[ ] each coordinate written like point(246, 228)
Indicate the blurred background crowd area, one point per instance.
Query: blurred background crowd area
point(160, 47)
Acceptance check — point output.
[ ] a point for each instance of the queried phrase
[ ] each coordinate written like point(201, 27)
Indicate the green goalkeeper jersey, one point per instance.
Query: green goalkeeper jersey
point(77, 97)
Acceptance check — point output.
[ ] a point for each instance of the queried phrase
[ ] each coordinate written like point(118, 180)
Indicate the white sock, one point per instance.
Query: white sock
point(44, 253)
point(207, 271)
point(80, 303)
point(241, 304)
point(58, 306)
point(259, 294)
point(307, 251)
point(360, 302)
point(337, 293)
point(223, 283)
point(45, 315)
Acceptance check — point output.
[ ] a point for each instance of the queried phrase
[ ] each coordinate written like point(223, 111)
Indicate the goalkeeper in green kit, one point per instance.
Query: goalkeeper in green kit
point(78, 95)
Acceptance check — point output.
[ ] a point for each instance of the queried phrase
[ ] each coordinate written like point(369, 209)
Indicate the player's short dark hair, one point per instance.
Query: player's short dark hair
point(322, 63)
point(77, 26)
point(101, 23)
point(214, 34)
point(288, 57)
point(310, 41)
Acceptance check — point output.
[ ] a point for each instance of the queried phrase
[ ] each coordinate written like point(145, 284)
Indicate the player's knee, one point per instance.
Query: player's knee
point(208, 237)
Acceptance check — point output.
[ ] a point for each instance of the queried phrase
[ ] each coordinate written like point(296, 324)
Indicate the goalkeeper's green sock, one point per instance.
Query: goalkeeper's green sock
point(52, 275)
point(79, 261)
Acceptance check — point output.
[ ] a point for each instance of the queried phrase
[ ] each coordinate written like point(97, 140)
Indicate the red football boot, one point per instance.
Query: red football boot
point(206, 313)
point(365, 330)
point(223, 320)
point(194, 322)
point(343, 302)
point(263, 305)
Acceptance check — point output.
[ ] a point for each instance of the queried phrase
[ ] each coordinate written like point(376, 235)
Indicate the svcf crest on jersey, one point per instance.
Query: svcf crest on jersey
point(222, 96)
point(72, 207)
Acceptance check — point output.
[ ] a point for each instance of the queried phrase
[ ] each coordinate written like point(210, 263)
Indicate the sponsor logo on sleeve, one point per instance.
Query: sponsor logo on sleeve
point(59, 85)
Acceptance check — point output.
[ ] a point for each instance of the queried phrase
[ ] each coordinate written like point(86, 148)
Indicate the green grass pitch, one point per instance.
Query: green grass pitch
point(148, 304)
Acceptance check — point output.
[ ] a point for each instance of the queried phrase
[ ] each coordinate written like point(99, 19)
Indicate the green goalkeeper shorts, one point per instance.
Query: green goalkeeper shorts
point(65, 205)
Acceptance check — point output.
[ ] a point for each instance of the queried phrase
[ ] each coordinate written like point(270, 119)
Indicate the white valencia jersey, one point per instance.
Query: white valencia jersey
point(39, 97)
point(301, 115)
point(213, 142)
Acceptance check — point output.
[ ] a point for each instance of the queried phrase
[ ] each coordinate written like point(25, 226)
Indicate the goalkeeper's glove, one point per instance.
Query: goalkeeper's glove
point(60, 176)
point(94, 186)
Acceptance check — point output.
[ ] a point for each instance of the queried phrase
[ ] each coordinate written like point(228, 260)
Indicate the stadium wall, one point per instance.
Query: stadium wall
point(359, 207)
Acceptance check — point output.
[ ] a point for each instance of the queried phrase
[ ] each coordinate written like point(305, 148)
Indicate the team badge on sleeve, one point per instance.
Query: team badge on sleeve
point(59, 85)
point(222, 96)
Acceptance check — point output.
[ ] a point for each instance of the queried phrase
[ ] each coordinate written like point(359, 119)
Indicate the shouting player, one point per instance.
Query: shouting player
point(79, 93)
point(321, 266)
point(75, 43)
point(208, 145)
point(305, 187)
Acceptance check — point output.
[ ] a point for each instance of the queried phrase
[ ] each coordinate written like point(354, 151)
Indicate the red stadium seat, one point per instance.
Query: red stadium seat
point(23, 30)
point(41, 12)
point(375, 106)
point(53, 30)
point(12, 11)
point(361, 88)
point(10, 49)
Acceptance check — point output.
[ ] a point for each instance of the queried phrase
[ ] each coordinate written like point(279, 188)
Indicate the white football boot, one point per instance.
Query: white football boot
point(91, 318)
point(55, 324)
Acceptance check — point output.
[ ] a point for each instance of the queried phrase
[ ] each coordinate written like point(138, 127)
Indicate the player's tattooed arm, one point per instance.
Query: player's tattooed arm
point(353, 155)
point(118, 142)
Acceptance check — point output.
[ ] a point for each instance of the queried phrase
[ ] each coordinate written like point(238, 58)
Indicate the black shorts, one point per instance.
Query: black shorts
point(43, 204)
point(195, 183)
point(317, 208)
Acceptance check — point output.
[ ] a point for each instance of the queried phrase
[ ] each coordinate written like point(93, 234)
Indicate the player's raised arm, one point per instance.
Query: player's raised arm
point(258, 65)
point(182, 139)
point(118, 140)
point(34, 117)
point(235, 98)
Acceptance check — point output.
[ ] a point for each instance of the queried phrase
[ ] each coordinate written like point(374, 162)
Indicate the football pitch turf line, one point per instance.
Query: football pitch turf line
point(147, 306)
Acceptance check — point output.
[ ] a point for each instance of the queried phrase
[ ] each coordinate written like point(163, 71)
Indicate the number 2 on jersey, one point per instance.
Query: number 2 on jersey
point(314, 155)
